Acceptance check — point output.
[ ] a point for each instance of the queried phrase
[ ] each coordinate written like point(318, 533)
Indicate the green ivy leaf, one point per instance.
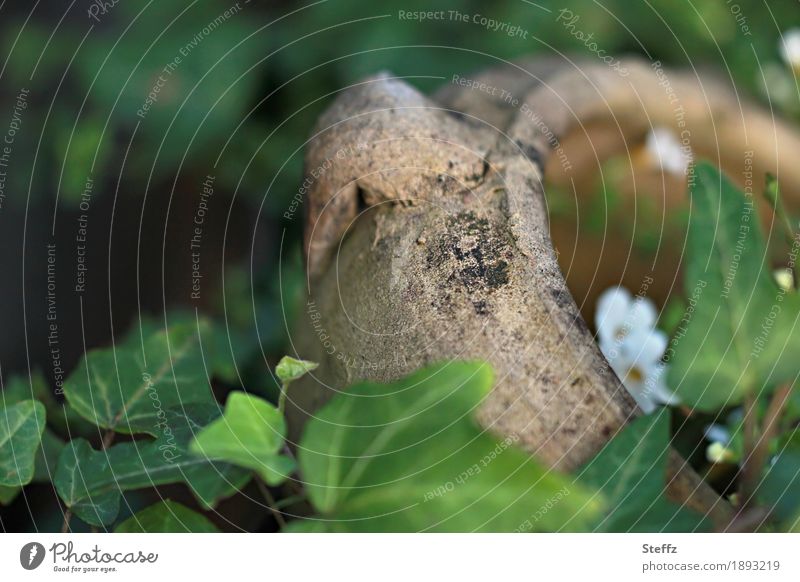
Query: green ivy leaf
point(21, 427)
point(290, 369)
point(629, 471)
point(44, 465)
point(61, 417)
point(744, 332)
point(127, 389)
point(408, 456)
point(250, 434)
point(167, 517)
point(91, 482)
point(221, 347)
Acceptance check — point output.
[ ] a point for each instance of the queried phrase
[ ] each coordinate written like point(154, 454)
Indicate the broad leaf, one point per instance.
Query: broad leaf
point(128, 389)
point(90, 482)
point(780, 489)
point(250, 434)
point(744, 332)
point(167, 517)
point(408, 456)
point(21, 427)
point(44, 465)
point(59, 415)
point(221, 346)
point(630, 473)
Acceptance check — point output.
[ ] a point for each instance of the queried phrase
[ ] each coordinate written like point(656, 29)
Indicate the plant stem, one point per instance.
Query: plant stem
point(282, 397)
point(757, 451)
point(270, 501)
point(108, 439)
point(67, 519)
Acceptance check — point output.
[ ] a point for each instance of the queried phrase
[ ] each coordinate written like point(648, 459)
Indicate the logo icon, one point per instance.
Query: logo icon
point(31, 555)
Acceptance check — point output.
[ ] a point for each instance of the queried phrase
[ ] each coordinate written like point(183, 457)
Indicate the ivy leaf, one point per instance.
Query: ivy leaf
point(743, 334)
point(167, 517)
point(21, 427)
point(250, 434)
point(221, 347)
point(61, 417)
point(290, 369)
point(128, 389)
point(44, 465)
point(629, 471)
point(91, 482)
point(408, 456)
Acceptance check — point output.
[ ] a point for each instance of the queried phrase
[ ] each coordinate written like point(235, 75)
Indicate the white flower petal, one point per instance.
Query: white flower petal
point(790, 47)
point(718, 433)
point(643, 314)
point(646, 347)
point(667, 152)
point(647, 404)
point(613, 308)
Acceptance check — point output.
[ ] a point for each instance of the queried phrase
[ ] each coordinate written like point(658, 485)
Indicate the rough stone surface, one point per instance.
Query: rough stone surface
point(427, 240)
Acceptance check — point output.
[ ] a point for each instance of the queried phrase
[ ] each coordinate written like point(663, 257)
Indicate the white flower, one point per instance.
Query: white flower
point(718, 433)
point(633, 347)
point(790, 48)
point(784, 277)
point(719, 453)
point(618, 313)
point(666, 152)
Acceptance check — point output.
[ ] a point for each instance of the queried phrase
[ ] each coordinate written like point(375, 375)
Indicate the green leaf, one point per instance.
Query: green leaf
point(61, 417)
point(44, 465)
point(780, 488)
point(8, 494)
point(408, 456)
point(629, 472)
point(46, 458)
point(128, 389)
point(21, 427)
point(91, 482)
point(222, 347)
point(743, 334)
point(250, 434)
point(290, 369)
point(167, 517)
